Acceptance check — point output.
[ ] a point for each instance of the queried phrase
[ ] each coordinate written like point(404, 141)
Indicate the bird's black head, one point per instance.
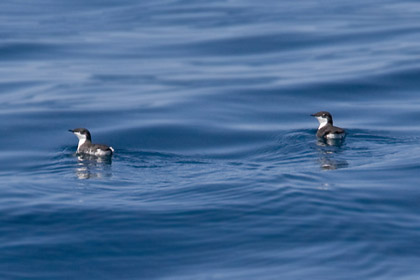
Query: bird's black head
point(81, 133)
point(323, 116)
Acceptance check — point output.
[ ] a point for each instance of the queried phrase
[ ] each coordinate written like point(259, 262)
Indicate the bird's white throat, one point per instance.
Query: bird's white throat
point(82, 139)
point(322, 122)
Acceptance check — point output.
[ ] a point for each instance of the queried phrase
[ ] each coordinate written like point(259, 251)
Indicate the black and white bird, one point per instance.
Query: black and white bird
point(326, 129)
point(85, 145)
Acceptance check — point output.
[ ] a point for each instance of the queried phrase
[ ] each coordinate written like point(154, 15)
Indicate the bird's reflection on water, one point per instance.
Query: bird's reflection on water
point(89, 167)
point(329, 151)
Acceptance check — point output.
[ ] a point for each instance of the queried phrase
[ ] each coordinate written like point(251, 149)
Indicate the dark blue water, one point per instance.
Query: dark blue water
point(217, 173)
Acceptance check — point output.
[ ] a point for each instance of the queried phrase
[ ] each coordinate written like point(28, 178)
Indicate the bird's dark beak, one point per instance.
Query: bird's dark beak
point(71, 130)
point(313, 115)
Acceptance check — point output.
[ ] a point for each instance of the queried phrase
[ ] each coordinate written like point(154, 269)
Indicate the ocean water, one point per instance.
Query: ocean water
point(217, 172)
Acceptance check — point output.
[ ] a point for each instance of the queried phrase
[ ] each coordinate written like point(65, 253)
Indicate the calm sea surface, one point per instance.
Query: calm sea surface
point(217, 173)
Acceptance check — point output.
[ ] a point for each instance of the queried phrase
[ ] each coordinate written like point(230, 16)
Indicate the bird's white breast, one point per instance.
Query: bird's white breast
point(100, 152)
point(334, 136)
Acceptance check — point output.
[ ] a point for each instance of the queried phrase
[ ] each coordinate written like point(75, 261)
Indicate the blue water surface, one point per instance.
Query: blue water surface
point(217, 172)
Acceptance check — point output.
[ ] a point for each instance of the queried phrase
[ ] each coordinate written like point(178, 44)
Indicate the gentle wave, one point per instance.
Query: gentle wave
point(217, 172)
